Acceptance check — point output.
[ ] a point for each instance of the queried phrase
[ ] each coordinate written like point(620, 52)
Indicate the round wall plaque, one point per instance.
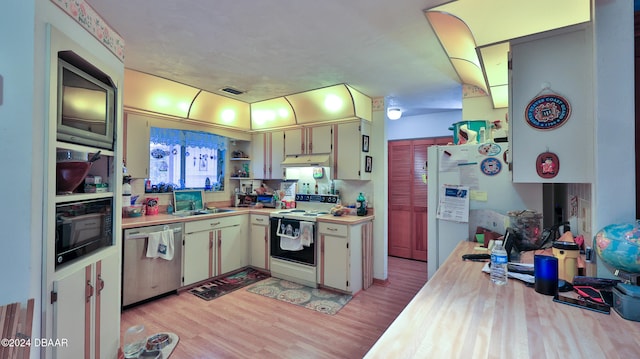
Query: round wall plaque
point(547, 165)
point(491, 166)
point(547, 112)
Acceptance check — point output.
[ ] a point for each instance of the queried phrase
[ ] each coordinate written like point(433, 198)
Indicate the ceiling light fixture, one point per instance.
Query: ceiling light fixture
point(394, 113)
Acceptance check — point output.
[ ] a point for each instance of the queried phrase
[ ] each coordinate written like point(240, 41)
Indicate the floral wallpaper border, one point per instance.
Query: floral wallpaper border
point(86, 16)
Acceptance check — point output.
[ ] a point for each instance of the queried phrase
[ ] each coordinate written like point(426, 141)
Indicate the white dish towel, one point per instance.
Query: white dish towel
point(152, 244)
point(160, 245)
point(306, 233)
point(165, 247)
point(289, 237)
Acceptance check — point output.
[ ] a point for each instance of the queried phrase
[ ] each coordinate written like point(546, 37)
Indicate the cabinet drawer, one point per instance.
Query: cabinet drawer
point(209, 224)
point(333, 229)
point(259, 220)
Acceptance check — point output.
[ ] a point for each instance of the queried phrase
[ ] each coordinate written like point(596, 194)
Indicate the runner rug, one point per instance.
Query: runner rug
point(221, 286)
point(320, 300)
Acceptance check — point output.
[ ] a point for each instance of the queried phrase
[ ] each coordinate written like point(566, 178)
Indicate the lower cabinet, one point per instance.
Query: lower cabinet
point(259, 241)
point(213, 247)
point(86, 310)
point(341, 255)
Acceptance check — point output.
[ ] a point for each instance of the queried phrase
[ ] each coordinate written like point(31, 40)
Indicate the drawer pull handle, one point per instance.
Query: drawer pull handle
point(332, 229)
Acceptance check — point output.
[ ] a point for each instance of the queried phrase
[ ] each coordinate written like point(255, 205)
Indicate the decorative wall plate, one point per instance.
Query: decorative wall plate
point(491, 166)
point(489, 149)
point(547, 112)
point(547, 165)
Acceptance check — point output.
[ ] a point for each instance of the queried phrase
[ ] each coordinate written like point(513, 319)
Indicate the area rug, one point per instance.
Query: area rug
point(320, 300)
point(222, 286)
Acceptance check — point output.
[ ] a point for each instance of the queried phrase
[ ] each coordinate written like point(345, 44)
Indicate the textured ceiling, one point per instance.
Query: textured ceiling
point(274, 48)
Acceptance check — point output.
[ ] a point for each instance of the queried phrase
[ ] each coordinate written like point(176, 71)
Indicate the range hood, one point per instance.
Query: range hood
point(315, 160)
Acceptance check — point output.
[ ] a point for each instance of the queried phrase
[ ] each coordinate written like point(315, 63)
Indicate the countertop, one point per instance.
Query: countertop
point(460, 314)
point(160, 219)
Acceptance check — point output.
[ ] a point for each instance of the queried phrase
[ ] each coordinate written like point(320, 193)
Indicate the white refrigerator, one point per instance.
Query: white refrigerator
point(470, 186)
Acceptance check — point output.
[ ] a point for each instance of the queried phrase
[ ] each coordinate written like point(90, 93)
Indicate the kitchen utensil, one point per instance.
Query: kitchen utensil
point(70, 174)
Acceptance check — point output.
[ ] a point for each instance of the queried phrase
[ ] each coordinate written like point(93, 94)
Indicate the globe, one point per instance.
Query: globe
point(618, 245)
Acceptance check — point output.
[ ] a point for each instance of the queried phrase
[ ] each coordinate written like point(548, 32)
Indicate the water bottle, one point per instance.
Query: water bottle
point(499, 264)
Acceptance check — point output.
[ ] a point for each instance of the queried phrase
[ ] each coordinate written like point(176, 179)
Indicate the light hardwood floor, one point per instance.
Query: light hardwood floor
point(245, 325)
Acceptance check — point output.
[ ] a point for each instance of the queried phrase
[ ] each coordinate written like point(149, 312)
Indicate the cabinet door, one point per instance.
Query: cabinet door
point(137, 146)
point(294, 141)
point(259, 155)
point(259, 244)
point(348, 154)
point(276, 153)
point(334, 259)
point(108, 306)
point(232, 249)
point(319, 139)
point(198, 259)
point(72, 314)
point(87, 311)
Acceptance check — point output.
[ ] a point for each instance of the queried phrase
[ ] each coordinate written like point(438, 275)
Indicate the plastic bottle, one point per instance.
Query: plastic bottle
point(170, 208)
point(126, 191)
point(499, 261)
point(333, 188)
point(316, 190)
point(361, 205)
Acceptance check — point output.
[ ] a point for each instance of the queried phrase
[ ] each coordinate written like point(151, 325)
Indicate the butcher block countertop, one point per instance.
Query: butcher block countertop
point(459, 313)
point(160, 219)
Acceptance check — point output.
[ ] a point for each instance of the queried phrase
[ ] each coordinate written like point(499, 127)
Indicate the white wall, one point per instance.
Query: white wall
point(615, 183)
point(19, 264)
point(430, 125)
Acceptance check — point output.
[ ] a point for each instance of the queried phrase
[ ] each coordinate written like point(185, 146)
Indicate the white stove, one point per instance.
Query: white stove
point(297, 264)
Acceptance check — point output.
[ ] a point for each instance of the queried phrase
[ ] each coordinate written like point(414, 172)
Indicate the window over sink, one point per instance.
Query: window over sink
point(182, 159)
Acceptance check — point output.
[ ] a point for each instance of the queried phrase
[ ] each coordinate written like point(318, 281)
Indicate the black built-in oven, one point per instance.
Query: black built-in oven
point(306, 255)
point(82, 227)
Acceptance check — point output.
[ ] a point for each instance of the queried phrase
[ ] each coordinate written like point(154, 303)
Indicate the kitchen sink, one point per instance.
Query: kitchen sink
point(201, 212)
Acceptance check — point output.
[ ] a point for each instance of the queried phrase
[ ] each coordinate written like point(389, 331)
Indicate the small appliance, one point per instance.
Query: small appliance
point(86, 103)
point(82, 228)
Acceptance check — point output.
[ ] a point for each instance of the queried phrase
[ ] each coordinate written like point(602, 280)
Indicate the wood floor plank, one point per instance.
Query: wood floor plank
point(245, 325)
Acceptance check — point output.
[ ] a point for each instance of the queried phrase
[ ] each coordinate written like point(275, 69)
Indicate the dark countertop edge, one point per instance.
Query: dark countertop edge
point(160, 219)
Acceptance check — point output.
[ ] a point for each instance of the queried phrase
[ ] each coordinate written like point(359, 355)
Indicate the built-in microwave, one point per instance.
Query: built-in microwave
point(82, 228)
point(86, 103)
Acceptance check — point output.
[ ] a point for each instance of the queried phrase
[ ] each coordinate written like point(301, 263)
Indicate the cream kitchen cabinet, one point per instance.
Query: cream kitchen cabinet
point(349, 159)
point(267, 152)
point(259, 241)
point(556, 63)
point(342, 252)
point(233, 244)
point(308, 140)
point(213, 247)
point(84, 302)
point(137, 146)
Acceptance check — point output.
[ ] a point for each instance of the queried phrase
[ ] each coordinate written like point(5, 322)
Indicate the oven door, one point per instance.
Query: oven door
point(306, 255)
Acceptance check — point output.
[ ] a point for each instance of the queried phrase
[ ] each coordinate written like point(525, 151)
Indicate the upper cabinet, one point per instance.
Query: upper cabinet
point(551, 113)
point(267, 150)
point(351, 160)
point(136, 151)
point(308, 140)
